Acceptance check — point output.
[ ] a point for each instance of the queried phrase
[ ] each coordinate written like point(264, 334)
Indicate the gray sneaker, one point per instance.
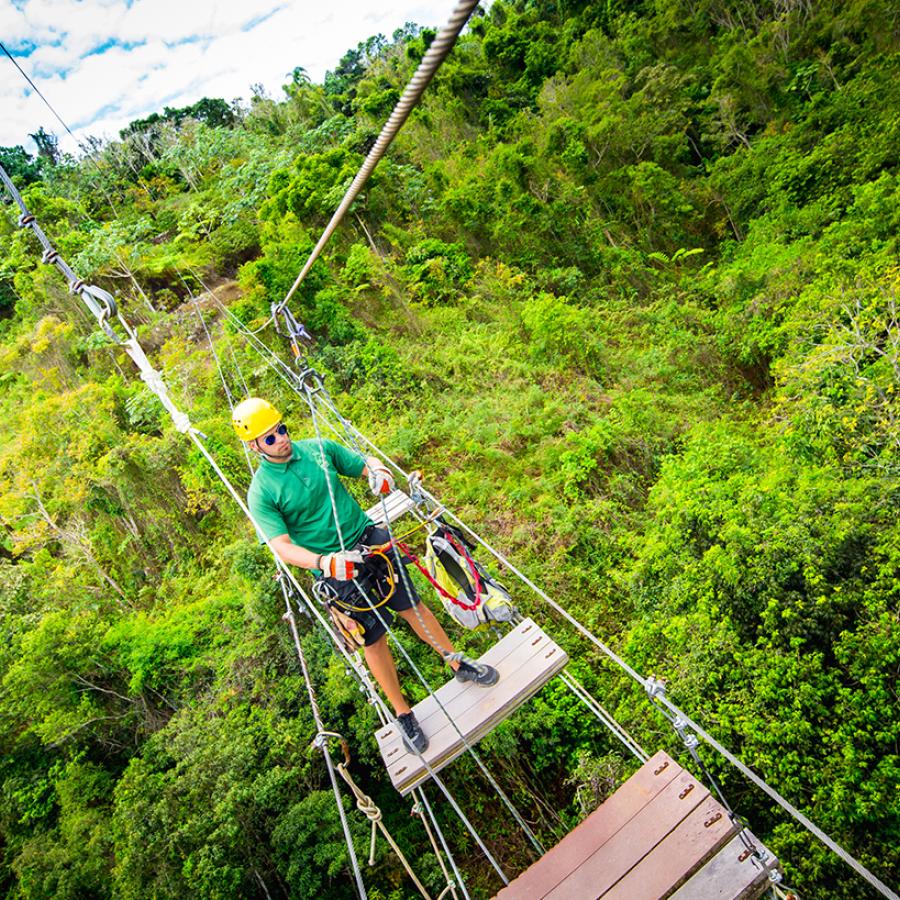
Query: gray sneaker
point(412, 733)
point(480, 673)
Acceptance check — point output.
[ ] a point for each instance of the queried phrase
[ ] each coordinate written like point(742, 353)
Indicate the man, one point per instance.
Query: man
point(294, 504)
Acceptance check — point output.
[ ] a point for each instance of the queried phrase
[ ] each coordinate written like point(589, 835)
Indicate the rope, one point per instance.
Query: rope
point(650, 685)
point(581, 692)
point(451, 887)
point(437, 827)
point(322, 743)
point(529, 833)
point(431, 62)
point(309, 393)
point(366, 805)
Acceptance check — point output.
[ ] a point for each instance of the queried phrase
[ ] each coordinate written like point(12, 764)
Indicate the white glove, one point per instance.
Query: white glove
point(341, 566)
point(381, 481)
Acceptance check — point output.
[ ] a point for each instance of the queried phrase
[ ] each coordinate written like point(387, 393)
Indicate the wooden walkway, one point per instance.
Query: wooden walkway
point(398, 504)
point(526, 660)
point(661, 835)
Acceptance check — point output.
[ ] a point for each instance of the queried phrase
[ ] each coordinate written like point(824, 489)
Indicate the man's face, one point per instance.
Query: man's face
point(275, 443)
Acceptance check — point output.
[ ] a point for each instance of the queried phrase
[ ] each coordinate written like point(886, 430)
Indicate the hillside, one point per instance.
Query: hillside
point(625, 289)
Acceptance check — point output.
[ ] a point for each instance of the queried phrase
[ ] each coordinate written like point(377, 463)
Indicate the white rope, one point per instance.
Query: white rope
point(322, 743)
point(430, 63)
point(370, 809)
point(603, 716)
point(390, 631)
point(437, 827)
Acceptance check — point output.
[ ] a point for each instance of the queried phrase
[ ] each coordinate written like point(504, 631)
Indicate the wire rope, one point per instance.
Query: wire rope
point(415, 669)
point(431, 62)
point(322, 743)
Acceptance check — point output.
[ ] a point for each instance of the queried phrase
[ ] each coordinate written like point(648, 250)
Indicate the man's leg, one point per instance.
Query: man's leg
point(434, 632)
point(382, 666)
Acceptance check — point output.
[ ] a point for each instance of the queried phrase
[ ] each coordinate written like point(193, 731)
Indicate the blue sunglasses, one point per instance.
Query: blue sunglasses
point(269, 439)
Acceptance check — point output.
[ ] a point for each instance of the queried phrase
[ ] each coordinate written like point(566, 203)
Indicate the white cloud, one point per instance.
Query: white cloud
point(172, 53)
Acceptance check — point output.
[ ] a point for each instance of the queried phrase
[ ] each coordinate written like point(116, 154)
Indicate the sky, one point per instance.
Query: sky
point(104, 63)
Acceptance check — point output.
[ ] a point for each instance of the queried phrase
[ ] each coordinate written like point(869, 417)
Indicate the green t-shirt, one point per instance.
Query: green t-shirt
point(292, 498)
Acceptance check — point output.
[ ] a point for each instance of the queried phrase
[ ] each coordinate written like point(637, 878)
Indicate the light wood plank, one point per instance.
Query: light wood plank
point(398, 503)
point(732, 874)
point(526, 659)
point(506, 656)
point(598, 828)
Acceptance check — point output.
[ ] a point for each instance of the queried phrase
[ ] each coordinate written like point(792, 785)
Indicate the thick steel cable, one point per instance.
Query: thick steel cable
point(431, 62)
point(416, 670)
point(648, 685)
point(748, 773)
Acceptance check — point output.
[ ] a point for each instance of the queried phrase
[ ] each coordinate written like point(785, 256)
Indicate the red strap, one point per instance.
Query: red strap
point(443, 593)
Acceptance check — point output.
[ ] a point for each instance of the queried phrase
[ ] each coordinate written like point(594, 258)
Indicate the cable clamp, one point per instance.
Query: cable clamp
point(687, 736)
point(25, 220)
point(50, 256)
point(655, 687)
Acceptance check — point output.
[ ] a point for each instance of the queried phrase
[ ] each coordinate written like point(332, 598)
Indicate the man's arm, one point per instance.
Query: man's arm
point(294, 554)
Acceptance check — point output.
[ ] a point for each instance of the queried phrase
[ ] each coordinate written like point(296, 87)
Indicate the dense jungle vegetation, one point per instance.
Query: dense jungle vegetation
point(626, 290)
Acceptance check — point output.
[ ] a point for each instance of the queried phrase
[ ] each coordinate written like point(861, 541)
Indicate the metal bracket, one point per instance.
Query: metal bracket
point(655, 687)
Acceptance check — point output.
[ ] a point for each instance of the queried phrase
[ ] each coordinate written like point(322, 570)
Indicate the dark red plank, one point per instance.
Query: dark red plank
point(671, 862)
point(630, 844)
point(598, 828)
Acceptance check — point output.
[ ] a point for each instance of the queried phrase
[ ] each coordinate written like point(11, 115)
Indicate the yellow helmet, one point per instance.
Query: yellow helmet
point(253, 417)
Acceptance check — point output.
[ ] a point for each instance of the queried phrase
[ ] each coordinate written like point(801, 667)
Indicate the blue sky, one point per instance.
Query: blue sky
point(104, 63)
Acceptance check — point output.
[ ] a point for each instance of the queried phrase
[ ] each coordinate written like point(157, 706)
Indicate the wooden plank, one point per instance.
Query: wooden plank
point(526, 659)
point(398, 503)
point(703, 832)
point(732, 874)
point(628, 846)
point(609, 818)
point(506, 655)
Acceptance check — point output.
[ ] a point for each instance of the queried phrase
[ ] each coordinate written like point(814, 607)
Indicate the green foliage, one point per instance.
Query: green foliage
point(625, 289)
point(437, 271)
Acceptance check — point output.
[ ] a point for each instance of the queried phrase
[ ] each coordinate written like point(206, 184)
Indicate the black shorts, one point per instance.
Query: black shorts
point(373, 578)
